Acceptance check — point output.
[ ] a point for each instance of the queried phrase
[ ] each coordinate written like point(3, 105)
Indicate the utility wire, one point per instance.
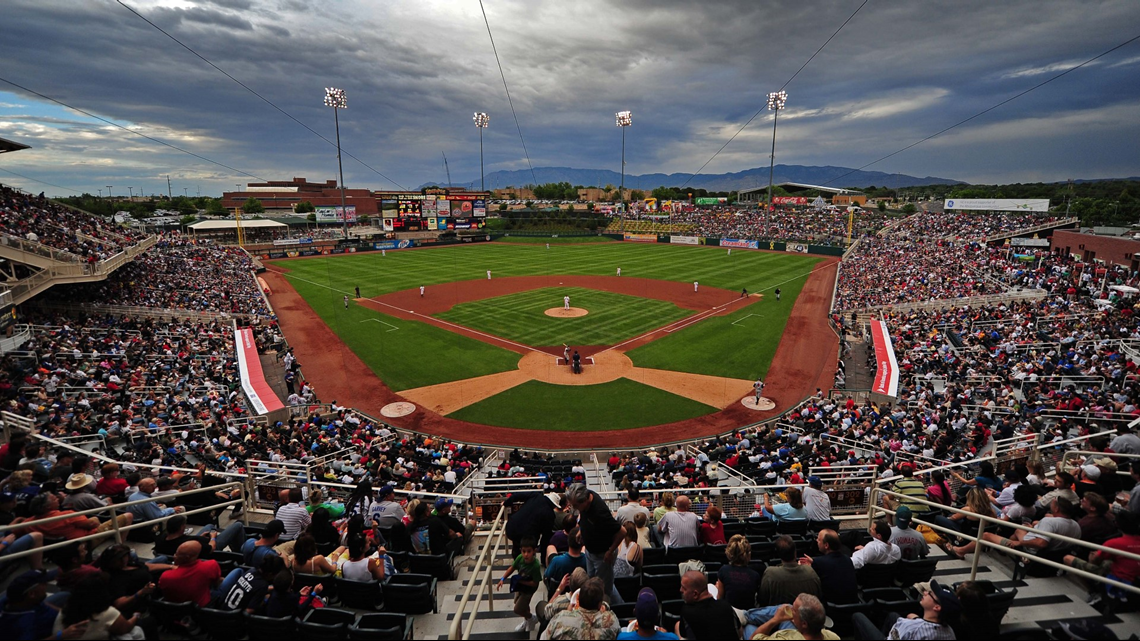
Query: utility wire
point(132, 131)
point(506, 89)
point(988, 109)
point(782, 87)
point(42, 182)
point(249, 89)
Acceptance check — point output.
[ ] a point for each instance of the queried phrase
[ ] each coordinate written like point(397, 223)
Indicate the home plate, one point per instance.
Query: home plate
point(396, 410)
point(764, 404)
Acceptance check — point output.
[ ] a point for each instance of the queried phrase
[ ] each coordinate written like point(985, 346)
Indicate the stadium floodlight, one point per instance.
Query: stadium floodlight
point(109, 196)
point(337, 99)
point(776, 101)
point(481, 121)
point(624, 119)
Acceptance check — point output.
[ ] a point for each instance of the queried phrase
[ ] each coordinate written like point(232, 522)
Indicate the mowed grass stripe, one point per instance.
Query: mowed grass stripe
point(521, 317)
point(620, 404)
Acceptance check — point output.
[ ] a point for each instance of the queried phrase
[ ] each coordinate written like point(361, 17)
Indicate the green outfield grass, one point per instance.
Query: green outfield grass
point(620, 404)
point(557, 240)
point(739, 345)
point(520, 317)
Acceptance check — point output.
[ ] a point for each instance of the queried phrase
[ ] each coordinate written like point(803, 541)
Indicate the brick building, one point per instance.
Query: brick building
point(279, 197)
point(1114, 250)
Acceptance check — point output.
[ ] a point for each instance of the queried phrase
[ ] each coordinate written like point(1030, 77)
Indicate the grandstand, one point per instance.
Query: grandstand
point(1012, 373)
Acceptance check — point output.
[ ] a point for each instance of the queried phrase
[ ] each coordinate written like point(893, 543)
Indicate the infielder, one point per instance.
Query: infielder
point(777, 293)
point(695, 285)
point(346, 301)
point(619, 271)
point(565, 302)
point(421, 291)
point(488, 274)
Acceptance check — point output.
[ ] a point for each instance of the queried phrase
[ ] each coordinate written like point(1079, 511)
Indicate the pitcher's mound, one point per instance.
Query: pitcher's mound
point(560, 312)
point(764, 404)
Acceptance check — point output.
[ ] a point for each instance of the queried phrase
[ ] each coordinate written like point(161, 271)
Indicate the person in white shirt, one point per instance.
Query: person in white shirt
point(911, 544)
point(816, 502)
point(681, 528)
point(1059, 521)
point(879, 551)
point(294, 515)
point(627, 513)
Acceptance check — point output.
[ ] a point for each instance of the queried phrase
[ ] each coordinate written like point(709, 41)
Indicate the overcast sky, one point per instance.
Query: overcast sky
point(691, 72)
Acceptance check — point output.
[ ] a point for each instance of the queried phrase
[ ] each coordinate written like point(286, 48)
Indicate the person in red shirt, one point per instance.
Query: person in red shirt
point(1107, 564)
point(111, 484)
point(192, 579)
point(46, 505)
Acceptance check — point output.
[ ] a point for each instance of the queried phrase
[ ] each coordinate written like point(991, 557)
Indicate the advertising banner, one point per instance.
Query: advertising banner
point(604, 209)
point(393, 244)
point(260, 395)
point(998, 204)
point(335, 214)
point(461, 208)
point(640, 238)
point(480, 209)
point(887, 376)
point(387, 223)
point(431, 223)
point(293, 241)
point(734, 242)
point(789, 200)
point(710, 201)
point(443, 207)
point(1029, 242)
point(389, 208)
point(463, 225)
point(684, 240)
point(796, 247)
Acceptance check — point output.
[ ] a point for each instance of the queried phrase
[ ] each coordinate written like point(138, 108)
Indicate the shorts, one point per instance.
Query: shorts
point(522, 597)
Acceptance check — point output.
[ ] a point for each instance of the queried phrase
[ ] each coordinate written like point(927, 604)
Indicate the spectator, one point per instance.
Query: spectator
point(647, 615)
point(1109, 565)
point(1059, 521)
point(251, 588)
point(976, 620)
point(590, 620)
point(601, 534)
point(27, 616)
point(283, 601)
point(533, 520)
point(294, 515)
point(254, 550)
point(940, 611)
point(233, 538)
point(793, 510)
point(736, 582)
point(46, 505)
point(835, 570)
point(806, 616)
point(702, 616)
point(816, 502)
point(628, 560)
point(80, 494)
point(386, 512)
point(911, 544)
point(666, 506)
point(1096, 526)
point(306, 560)
point(560, 599)
point(192, 578)
point(129, 584)
point(526, 584)
point(680, 528)
point(111, 485)
point(632, 507)
point(560, 565)
point(151, 511)
point(879, 550)
point(712, 530)
point(12, 544)
point(911, 488)
point(447, 534)
point(641, 522)
point(783, 583)
point(360, 566)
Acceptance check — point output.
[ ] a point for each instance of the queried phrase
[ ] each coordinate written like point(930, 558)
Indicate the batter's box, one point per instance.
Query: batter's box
point(377, 320)
point(562, 361)
point(745, 318)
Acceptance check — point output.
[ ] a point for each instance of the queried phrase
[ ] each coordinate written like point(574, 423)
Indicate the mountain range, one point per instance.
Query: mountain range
point(747, 179)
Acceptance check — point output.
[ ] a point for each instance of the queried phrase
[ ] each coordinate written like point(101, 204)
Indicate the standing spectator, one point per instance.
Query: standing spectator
point(526, 584)
point(590, 620)
point(736, 582)
point(910, 543)
point(533, 520)
point(712, 530)
point(633, 507)
point(294, 515)
point(816, 502)
point(601, 534)
point(681, 528)
point(702, 616)
point(879, 550)
point(788, 580)
point(835, 570)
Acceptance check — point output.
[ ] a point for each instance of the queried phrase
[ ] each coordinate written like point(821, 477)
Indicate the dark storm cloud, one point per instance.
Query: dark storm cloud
point(692, 73)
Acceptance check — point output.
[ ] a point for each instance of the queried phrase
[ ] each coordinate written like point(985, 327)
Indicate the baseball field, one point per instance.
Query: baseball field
point(680, 335)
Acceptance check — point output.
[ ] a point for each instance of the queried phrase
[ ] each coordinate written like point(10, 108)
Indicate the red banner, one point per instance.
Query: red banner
point(789, 200)
point(261, 396)
point(887, 374)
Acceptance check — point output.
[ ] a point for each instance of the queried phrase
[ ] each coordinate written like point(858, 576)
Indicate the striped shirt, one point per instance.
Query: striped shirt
point(912, 488)
point(919, 629)
point(295, 517)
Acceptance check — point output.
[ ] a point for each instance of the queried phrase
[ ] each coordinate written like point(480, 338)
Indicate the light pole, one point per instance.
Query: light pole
point(132, 192)
point(109, 197)
point(624, 119)
point(776, 102)
point(481, 122)
point(337, 99)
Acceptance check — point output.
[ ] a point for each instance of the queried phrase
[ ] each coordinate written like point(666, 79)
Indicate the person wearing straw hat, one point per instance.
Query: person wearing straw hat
point(80, 493)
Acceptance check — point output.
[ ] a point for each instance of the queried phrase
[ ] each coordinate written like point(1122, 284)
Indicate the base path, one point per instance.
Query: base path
point(804, 361)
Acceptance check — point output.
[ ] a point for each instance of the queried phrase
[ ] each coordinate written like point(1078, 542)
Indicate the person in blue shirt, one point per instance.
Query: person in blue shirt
point(26, 615)
point(560, 565)
point(149, 511)
point(793, 510)
point(646, 613)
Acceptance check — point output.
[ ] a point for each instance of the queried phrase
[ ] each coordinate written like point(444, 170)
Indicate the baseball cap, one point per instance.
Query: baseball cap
point(28, 580)
point(385, 491)
point(1091, 471)
point(815, 481)
point(443, 502)
point(276, 526)
point(945, 597)
point(903, 515)
point(647, 611)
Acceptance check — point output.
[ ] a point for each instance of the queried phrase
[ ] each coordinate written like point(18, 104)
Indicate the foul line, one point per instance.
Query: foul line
point(434, 320)
point(746, 318)
point(377, 320)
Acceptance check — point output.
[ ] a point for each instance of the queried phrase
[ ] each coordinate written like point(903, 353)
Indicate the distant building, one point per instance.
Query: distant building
point(279, 197)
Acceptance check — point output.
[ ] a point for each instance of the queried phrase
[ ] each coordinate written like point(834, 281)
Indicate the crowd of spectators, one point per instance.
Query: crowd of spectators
point(812, 226)
point(87, 237)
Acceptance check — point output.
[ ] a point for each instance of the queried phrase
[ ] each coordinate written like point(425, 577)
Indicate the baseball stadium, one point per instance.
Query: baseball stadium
point(783, 411)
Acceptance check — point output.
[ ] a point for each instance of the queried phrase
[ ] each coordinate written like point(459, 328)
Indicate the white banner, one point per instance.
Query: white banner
point(684, 240)
point(998, 204)
point(260, 395)
point(887, 375)
point(1029, 242)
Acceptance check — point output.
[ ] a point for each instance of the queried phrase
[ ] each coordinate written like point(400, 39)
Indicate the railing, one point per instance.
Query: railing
point(973, 301)
point(39, 249)
point(5, 298)
point(1090, 453)
point(115, 510)
point(494, 542)
point(20, 335)
point(874, 507)
point(1029, 230)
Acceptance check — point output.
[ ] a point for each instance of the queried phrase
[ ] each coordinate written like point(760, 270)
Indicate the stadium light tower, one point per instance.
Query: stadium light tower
point(109, 196)
point(337, 99)
point(776, 102)
point(481, 122)
point(624, 119)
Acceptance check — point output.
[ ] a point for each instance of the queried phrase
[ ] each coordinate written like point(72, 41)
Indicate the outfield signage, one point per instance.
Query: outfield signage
point(640, 238)
point(710, 201)
point(685, 240)
point(1029, 242)
point(796, 247)
point(335, 214)
point(736, 242)
point(293, 241)
point(480, 209)
point(887, 376)
point(393, 244)
point(260, 395)
point(998, 204)
point(789, 200)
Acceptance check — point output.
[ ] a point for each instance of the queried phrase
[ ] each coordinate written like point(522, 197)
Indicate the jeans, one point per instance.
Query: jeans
point(232, 537)
point(596, 566)
point(866, 631)
point(759, 616)
point(22, 544)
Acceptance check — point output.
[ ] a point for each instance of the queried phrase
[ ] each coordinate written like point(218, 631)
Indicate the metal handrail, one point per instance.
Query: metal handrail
point(1085, 453)
point(497, 526)
point(873, 506)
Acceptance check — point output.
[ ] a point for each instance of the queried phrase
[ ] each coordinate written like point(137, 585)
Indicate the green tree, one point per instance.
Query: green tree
point(502, 206)
point(187, 220)
point(637, 194)
point(311, 217)
point(304, 207)
point(909, 208)
point(214, 207)
point(253, 206)
point(883, 206)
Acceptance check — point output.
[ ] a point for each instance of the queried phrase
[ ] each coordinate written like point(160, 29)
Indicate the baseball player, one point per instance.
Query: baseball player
point(743, 292)
point(777, 293)
point(565, 302)
point(548, 245)
point(488, 274)
point(619, 271)
point(695, 285)
point(566, 353)
point(758, 386)
point(383, 252)
point(421, 291)
point(729, 251)
point(346, 301)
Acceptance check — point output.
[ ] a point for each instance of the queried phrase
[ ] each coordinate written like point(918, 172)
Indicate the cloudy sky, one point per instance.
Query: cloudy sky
point(691, 72)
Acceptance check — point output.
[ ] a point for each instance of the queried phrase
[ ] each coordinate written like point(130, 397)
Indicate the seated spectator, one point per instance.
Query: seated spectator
point(361, 566)
point(911, 544)
point(386, 512)
point(561, 597)
point(912, 489)
point(702, 616)
point(254, 550)
point(293, 514)
point(446, 533)
point(306, 560)
point(628, 560)
point(793, 510)
point(1059, 521)
point(80, 494)
point(251, 587)
point(152, 511)
point(26, 615)
point(736, 582)
point(233, 538)
point(631, 508)
point(816, 502)
point(590, 620)
point(647, 615)
point(192, 578)
point(667, 505)
point(111, 485)
point(941, 609)
point(1024, 507)
point(783, 583)
point(284, 601)
point(680, 527)
point(46, 505)
point(879, 550)
point(560, 565)
point(641, 522)
point(1107, 564)
point(1062, 488)
point(806, 616)
point(835, 570)
point(712, 530)
point(1096, 526)
point(130, 584)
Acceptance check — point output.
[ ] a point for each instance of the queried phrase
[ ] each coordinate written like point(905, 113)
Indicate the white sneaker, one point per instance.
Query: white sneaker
point(522, 627)
point(531, 623)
